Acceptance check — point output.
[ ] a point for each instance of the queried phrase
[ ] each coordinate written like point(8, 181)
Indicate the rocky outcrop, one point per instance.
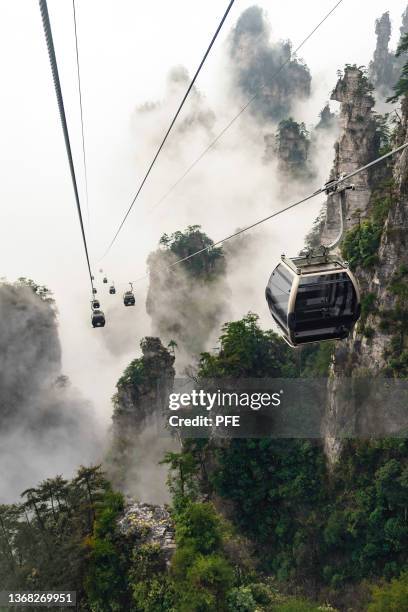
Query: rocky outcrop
point(32, 361)
point(385, 67)
point(144, 386)
point(382, 67)
point(41, 414)
point(327, 119)
point(404, 23)
point(392, 256)
point(356, 146)
point(137, 446)
point(378, 346)
point(292, 147)
point(148, 524)
point(187, 303)
point(255, 68)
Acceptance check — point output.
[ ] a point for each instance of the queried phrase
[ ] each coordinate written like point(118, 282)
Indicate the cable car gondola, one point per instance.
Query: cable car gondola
point(112, 290)
point(95, 304)
point(313, 298)
point(129, 298)
point(98, 318)
point(105, 280)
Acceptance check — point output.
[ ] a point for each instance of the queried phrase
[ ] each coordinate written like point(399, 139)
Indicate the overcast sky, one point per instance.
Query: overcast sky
point(126, 49)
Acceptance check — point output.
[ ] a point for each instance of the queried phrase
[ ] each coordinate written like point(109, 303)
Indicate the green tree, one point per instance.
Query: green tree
point(201, 573)
point(391, 597)
point(208, 264)
point(105, 582)
point(360, 244)
point(152, 588)
point(172, 345)
point(248, 351)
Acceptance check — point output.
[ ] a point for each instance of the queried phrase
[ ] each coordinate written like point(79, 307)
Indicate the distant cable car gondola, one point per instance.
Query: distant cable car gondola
point(105, 280)
point(112, 290)
point(98, 318)
point(129, 298)
point(313, 298)
point(95, 304)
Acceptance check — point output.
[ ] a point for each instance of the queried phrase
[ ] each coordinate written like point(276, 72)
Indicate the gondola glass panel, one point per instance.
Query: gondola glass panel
point(277, 295)
point(325, 308)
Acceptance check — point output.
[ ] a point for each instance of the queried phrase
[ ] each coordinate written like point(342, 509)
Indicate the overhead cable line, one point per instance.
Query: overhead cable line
point(82, 115)
point(243, 109)
point(171, 124)
point(333, 186)
point(54, 68)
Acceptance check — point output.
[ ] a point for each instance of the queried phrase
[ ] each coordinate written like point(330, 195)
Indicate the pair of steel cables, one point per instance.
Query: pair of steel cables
point(57, 85)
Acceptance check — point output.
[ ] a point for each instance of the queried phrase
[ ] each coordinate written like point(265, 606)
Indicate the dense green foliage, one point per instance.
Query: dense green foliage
point(360, 244)
point(133, 374)
point(208, 264)
point(105, 581)
point(152, 587)
point(248, 351)
point(307, 528)
point(43, 540)
point(391, 597)
point(202, 574)
point(275, 486)
point(315, 359)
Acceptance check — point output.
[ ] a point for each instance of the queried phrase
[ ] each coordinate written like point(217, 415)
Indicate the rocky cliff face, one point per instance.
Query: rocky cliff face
point(143, 387)
point(378, 345)
point(148, 524)
point(32, 361)
point(356, 146)
point(385, 68)
point(328, 120)
point(255, 63)
point(41, 415)
point(188, 303)
point(137, 444)
point(382, 69)
point(292, 147)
